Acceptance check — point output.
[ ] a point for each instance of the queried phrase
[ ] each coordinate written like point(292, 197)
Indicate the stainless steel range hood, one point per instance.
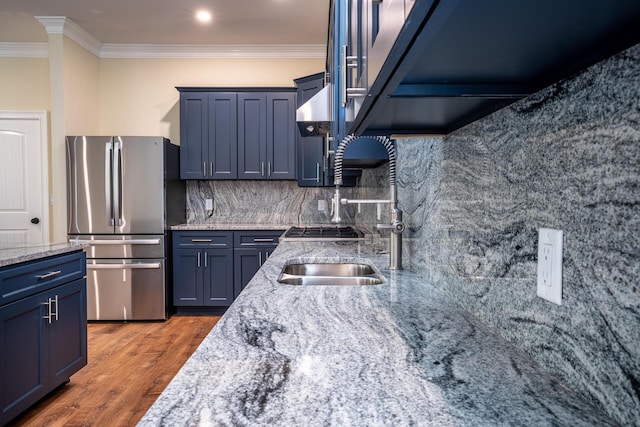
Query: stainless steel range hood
point(315, 116)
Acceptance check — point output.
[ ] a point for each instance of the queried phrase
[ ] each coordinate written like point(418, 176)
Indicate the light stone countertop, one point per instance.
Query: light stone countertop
point(10, 256)
point(395, 354)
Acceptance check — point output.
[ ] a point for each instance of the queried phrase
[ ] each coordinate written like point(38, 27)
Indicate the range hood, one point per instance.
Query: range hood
point(315, 116)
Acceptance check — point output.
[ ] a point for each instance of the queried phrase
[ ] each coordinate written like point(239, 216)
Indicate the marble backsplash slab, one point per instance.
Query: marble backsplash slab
point(567, 157)
point(261, 202)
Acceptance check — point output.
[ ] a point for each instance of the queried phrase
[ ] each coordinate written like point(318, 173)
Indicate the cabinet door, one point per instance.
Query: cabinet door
point(252, 135)
point(67, 333)
point(218, 277)
point(187, 277)
point(194, 135)
point(223, 154)
point(281, 135)
point(23, 375)
point(311, 161)
point(246, 264)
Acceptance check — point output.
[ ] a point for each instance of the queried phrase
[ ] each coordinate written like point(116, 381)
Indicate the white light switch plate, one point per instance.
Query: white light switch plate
point(550, 265)
point(208, 204)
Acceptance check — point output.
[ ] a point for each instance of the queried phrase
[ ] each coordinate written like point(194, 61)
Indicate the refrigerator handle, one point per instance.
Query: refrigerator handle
point(108, 168)
point(117, 183)
point(137, 266)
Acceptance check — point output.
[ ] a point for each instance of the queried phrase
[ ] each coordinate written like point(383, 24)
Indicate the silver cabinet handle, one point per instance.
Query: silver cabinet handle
point(205, 260)
point(50, 274)
point(48, 315)
point(260, 259)
point(51, 315)
point(210, 168)
point(261, 168)
point(56, 312)
point(204, 168)
point(343, 74)
point(317, 172)
point(269, 168)
point(202, 240)
point(198, 259)
point(263, 240)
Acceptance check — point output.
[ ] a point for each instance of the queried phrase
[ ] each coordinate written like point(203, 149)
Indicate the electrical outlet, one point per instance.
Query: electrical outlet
point(550, 265)
point(322, 205)
point(208, 204)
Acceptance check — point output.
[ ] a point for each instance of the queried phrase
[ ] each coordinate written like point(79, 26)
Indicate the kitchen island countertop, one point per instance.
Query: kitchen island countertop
point(399, 353)
point(15, 255)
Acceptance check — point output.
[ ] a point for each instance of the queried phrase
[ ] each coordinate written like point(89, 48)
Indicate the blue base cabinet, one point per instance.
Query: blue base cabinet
point(210, 268)
point(251, 249)
point(202, 268)
point(43, 336)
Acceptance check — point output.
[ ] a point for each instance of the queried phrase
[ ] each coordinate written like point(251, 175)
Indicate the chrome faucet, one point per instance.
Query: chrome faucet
point(395, 214)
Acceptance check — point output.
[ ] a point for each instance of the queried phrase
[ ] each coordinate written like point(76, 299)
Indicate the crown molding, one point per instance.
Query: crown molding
point(226, 51)
point(144, 51)
point(65, 26)
point(24, 50)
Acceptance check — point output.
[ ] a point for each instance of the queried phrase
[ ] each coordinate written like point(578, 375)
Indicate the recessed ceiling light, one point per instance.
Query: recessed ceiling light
point(203, 16)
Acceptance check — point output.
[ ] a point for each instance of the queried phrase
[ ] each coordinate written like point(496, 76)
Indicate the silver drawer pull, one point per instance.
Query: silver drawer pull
point(50, 274)
point(263, 240)
point(202, 240)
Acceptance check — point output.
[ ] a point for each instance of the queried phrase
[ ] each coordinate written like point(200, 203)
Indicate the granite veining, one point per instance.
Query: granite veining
point(567, 157)
point(10, 256)
point(260, 202)
point(397, 354)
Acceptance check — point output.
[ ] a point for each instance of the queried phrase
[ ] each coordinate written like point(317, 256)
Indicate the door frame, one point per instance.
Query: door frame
point(41, 117)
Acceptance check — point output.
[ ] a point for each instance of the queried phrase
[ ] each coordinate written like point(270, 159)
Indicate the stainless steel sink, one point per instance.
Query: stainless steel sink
point(332, 273)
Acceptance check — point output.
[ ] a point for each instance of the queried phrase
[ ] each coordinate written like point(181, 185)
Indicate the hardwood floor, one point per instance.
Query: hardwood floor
point(129, 366)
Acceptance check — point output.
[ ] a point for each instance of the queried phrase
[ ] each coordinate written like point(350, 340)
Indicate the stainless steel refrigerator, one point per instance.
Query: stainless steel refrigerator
point(123, 195)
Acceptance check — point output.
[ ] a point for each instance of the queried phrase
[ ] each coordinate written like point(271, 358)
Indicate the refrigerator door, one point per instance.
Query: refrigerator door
point(130, 289)
point(139, 185)
point(122, 246)
point(89, 185)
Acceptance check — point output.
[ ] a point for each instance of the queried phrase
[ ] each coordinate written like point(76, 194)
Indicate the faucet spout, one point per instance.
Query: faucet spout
point(395, 214)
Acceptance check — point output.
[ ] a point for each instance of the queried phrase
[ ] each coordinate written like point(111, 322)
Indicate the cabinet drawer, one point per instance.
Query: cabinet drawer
point(256, 238)
point(203, 239)
point(25, 279)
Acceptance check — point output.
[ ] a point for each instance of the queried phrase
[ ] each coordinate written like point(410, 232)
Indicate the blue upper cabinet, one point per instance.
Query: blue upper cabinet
point(281, 135)
point(426, 66)
point(237, 133)
point(208, 135)
point(252, 135)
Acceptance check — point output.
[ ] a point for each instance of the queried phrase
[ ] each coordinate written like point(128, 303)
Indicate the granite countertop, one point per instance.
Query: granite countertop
point(9, 256)
point(396, 354)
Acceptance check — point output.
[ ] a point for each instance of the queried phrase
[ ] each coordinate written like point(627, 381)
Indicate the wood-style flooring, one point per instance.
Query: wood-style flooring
point(129, 365)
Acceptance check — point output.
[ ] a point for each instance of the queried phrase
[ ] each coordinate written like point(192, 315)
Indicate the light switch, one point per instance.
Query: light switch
point(208, 204)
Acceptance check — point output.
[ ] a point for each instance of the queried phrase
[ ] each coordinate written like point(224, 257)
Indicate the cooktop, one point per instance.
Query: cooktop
point(323, 233)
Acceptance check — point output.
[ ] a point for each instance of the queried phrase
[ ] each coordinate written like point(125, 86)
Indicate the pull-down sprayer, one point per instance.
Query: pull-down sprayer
point(395, 214)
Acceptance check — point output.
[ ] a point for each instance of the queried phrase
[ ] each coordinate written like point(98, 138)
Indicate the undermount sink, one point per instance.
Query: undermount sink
point(331, 273)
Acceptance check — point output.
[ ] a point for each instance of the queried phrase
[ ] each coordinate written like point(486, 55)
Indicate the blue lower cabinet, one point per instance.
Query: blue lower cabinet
point(218, 277)
point(202, 268)
point(210, 268)
point(43, 336)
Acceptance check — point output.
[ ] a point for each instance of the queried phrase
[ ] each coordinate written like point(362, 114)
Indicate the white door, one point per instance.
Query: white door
point(24, 214)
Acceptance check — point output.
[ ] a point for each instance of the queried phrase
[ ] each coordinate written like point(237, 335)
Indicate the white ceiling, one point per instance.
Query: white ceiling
point(251, 22)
